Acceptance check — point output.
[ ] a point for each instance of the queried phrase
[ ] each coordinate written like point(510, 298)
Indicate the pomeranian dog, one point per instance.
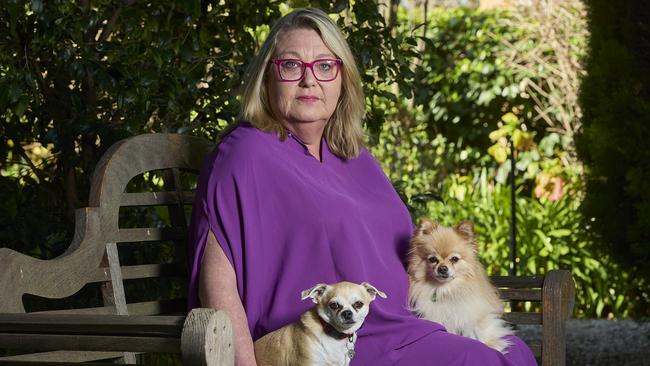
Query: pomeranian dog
point(449, 285)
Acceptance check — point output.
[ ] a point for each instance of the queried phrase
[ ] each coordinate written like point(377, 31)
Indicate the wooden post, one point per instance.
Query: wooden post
point(558, 298)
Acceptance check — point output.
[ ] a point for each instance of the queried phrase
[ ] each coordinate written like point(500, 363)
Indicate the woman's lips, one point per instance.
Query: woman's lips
point(308, 98)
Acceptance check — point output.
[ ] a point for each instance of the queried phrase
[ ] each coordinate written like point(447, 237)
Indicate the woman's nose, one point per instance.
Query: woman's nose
point(308, 78)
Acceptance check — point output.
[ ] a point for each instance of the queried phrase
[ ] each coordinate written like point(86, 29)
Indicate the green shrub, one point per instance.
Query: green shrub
point(447, 156)
point(75, 77)
point(463, 85)
point(614, 142)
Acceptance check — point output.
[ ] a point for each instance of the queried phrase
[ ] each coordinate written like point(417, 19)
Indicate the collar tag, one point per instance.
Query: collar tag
point(350, 347)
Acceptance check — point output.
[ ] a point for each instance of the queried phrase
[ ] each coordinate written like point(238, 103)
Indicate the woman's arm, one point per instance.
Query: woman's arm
point(218, 289)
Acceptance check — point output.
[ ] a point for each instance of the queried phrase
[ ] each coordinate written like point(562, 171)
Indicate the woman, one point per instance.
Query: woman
point(290, 198)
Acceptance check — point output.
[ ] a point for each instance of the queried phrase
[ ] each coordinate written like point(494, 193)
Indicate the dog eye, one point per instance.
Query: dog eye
point(454, 259)
point(433, 260)
point(334, 306)
point(357, 305)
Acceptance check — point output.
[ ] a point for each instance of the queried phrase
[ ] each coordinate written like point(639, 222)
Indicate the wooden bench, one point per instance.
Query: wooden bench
point(126, 266)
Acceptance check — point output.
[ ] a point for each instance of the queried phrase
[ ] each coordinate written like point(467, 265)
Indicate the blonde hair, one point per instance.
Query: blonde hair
point(344, 132)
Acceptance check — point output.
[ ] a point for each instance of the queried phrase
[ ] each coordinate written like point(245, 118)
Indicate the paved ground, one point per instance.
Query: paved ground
point(603, 342)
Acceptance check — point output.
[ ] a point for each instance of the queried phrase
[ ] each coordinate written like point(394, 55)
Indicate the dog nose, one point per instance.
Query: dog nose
point(346, 314)
point(443, 270)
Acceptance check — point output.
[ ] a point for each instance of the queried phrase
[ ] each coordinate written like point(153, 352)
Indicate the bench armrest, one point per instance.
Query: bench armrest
point(55, 278)
point(207, 339)
point(203, 338)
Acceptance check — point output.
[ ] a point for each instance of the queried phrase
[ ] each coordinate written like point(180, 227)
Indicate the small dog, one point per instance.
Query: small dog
point(324, 335)
point(449, 285)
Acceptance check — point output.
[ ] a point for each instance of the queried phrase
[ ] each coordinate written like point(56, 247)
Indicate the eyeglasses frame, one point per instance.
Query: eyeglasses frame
point(306, 65)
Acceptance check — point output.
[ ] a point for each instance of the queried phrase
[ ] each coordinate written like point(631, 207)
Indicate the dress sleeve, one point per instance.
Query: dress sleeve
point(217, 208)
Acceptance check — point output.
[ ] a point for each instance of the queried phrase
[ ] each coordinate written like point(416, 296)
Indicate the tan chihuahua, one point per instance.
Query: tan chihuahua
point(325, 334)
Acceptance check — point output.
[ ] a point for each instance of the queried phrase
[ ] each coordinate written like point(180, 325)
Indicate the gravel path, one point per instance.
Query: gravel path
point(602, 342)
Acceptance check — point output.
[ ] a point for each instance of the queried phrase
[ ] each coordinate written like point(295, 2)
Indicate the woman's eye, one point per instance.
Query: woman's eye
point(290, 65)
point(325, 66)
point(433, 259)
point(357, 305)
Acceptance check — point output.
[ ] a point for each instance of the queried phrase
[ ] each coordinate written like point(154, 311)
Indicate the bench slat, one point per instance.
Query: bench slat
point(134, 325)
point(155, 198)
point(62, 356)
point(51, 342)
point(522, 318)
point(138, 308)
point(518, 281)
point(100, 310)
point(520, 295)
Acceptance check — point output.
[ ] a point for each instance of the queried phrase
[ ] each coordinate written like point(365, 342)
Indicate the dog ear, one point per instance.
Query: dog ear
point(372, 290)
point(315, 292)
point(465, 229)
point(425, 226)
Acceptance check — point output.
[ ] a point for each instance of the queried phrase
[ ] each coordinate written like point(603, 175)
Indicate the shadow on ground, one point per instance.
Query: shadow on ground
point(602, 342)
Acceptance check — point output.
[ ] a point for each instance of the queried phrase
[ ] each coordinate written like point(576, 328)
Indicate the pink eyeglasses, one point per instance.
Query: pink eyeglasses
point(294, 69)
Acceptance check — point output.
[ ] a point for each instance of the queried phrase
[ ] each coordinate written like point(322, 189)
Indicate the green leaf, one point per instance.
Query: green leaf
point(558, 233)
point(21, 107)
point(510, 118)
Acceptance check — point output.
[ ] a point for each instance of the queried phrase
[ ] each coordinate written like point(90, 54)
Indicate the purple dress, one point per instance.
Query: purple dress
point(287, 221)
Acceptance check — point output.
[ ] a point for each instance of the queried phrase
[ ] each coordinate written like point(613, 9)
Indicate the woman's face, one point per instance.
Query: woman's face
point(306, 100)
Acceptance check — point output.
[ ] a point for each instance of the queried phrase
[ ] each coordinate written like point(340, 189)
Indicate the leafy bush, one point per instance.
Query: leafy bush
point(463, 84)
point(614, 141)
point(448, 159)
point(77, 76)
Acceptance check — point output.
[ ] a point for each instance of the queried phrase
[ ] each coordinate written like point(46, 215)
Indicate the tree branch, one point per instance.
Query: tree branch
point(39, 174)
point(110, 25)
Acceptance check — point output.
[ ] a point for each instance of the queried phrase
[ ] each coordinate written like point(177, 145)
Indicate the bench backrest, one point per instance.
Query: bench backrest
point(141, 251)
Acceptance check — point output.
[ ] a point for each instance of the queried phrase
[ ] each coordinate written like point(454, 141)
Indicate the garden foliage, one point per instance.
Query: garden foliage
point(445, 111)
point(448, 171)
point(78, 76)
point(615, 98)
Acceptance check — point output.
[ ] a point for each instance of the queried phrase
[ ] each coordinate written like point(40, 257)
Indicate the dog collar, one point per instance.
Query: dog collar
point(332, 332)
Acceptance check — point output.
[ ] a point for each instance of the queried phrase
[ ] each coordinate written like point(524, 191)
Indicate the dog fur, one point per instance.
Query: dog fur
point(325, 334)
point(449, 285)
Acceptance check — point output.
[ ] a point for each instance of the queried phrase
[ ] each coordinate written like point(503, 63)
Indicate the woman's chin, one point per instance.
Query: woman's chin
point(304, 118)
